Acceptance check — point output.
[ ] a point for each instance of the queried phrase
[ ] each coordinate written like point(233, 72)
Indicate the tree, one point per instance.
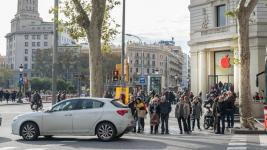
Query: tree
point(91, 19)
point(242, 13)
point(5, 76)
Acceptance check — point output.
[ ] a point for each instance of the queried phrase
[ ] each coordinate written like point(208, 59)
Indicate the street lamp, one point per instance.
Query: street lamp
point(142, 67)
point(20, 84)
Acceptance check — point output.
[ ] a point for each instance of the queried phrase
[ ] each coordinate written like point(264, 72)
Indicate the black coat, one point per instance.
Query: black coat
point(165, 107)
point(154, 108)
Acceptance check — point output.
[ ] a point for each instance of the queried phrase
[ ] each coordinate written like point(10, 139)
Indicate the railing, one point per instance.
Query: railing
point(215, 30)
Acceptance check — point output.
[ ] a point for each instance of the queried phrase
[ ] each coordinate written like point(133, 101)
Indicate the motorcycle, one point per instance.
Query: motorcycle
point(36, 106)
point(208, 119)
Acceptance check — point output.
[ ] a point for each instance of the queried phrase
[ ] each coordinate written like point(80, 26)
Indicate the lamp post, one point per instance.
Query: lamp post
point(20, 84)
point(142, 67)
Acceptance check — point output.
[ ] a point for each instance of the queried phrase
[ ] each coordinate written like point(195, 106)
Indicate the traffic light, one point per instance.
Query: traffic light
point(115, 75)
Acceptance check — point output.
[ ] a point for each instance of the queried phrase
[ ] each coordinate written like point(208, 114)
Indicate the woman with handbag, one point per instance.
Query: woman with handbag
point(141, 114)
point(154, 111)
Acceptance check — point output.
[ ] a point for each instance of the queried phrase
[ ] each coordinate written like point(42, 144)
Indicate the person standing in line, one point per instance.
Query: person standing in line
point(132, 106)
point(141, 114)
point(154, 111)
point(7, 95)
point(181, 113)
point(165, 109)
point(1, 95)
point(230, 109)
point(188, 119)
point(196, 113)
point(221, 115)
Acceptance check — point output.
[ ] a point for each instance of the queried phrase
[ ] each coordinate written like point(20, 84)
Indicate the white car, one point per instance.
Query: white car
point(0, 120)
point(84, 116)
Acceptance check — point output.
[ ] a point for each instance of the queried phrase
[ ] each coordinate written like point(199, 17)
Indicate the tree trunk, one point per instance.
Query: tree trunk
point(244, 80)
point(95, 54)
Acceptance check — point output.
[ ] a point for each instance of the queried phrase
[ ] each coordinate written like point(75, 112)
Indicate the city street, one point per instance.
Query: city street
point(205, 140)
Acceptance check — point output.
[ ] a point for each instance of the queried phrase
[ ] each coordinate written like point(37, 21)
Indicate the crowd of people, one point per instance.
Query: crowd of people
point(220, 106)
point(8, 95)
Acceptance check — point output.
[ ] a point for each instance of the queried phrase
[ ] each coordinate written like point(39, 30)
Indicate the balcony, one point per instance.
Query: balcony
point(215, 30)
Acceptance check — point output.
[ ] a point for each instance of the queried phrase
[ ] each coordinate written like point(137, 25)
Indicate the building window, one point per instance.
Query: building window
point(25, 66)
point(26, 51)
point(153, 70)
point(45, 44)
point(33, 44)
point(26, 44)
point(26, 37)
point(26, 58)
point(38, 44)
point(45, 36)
point(220, 10)
point(38, 37)
point(131, 70)
point(33, 37)
point(153, 56)
point(136, 70)
point(32, 66)
point(147, 70)
point(153, 63)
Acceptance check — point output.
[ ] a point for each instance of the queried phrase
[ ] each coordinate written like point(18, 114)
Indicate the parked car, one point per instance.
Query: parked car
point(106, 118)
point(0, 120)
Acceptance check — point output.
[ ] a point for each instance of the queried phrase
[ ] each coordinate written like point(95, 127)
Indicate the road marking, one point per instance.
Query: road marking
point(236, 148)
point(68, 141)
point(7, 148)
point(37, 149)
point(263, 140)
point(237, 144)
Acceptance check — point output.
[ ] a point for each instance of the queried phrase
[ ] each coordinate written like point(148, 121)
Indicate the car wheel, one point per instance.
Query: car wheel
point(105, 131)
point(29, 131)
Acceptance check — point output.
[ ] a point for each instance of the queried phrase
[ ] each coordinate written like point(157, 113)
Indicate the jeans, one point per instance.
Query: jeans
point(180, 119)
point(164, 123)
point(154, 129)
point(221, 128)
point(230, 118)
point(198, 123)
point(188, 120)
point(141, 124)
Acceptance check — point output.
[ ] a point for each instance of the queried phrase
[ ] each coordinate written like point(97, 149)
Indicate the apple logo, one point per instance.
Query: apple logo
point(225, 62)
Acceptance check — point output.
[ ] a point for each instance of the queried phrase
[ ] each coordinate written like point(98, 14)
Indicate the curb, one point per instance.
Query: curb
point(247, 131)
point(10, 104)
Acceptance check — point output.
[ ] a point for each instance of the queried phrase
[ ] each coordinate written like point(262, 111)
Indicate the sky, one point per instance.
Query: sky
point(151, 20)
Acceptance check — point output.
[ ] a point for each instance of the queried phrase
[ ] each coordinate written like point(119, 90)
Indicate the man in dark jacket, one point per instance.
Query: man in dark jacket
point(221, 115)
point(1, 95)
point(13, 96)
point(165, 109)
point(7, 95)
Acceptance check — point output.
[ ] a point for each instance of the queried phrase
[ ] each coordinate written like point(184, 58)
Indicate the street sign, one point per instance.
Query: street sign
point(142, 80)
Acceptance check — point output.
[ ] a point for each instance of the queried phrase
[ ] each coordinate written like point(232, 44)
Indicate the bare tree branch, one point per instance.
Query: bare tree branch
point(83, 19)
point(251, 6)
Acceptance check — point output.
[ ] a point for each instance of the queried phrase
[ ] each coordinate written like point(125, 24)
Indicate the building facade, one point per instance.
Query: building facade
point(213, 46)
point(29, 33)
point(185, 84)
point(165, 59)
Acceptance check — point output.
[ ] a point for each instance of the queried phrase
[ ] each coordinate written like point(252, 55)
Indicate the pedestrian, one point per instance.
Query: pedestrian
point(132, 106)
point(141, 114)
point(165, 109)
point(215, 113)
point(1, 95)
point(196, 112)
point(13, 96)
point(188, 119)
point(58, 96)
point(181, 113)
point(108, 94)
point(7, 95)
point(230, 109)
point(221, 115)
point(154, 111)
point(63, 96)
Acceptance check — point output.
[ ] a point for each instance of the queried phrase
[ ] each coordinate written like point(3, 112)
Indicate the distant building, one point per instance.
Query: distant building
point(30, 33)
point(2, 61)
point(186, 72)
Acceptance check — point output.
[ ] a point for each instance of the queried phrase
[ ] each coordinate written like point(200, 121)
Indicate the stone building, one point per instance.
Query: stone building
point(30, 33)
point(213, 45)
point(165, 59)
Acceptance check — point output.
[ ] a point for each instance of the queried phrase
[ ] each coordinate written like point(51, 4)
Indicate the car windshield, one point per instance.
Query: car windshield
point(118, 103)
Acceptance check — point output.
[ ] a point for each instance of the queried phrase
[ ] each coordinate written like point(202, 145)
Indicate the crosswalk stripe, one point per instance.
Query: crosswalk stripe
point(237, 144)
point(37, 149)
point(7, 148)
point(236, 148)
point(263, 140)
